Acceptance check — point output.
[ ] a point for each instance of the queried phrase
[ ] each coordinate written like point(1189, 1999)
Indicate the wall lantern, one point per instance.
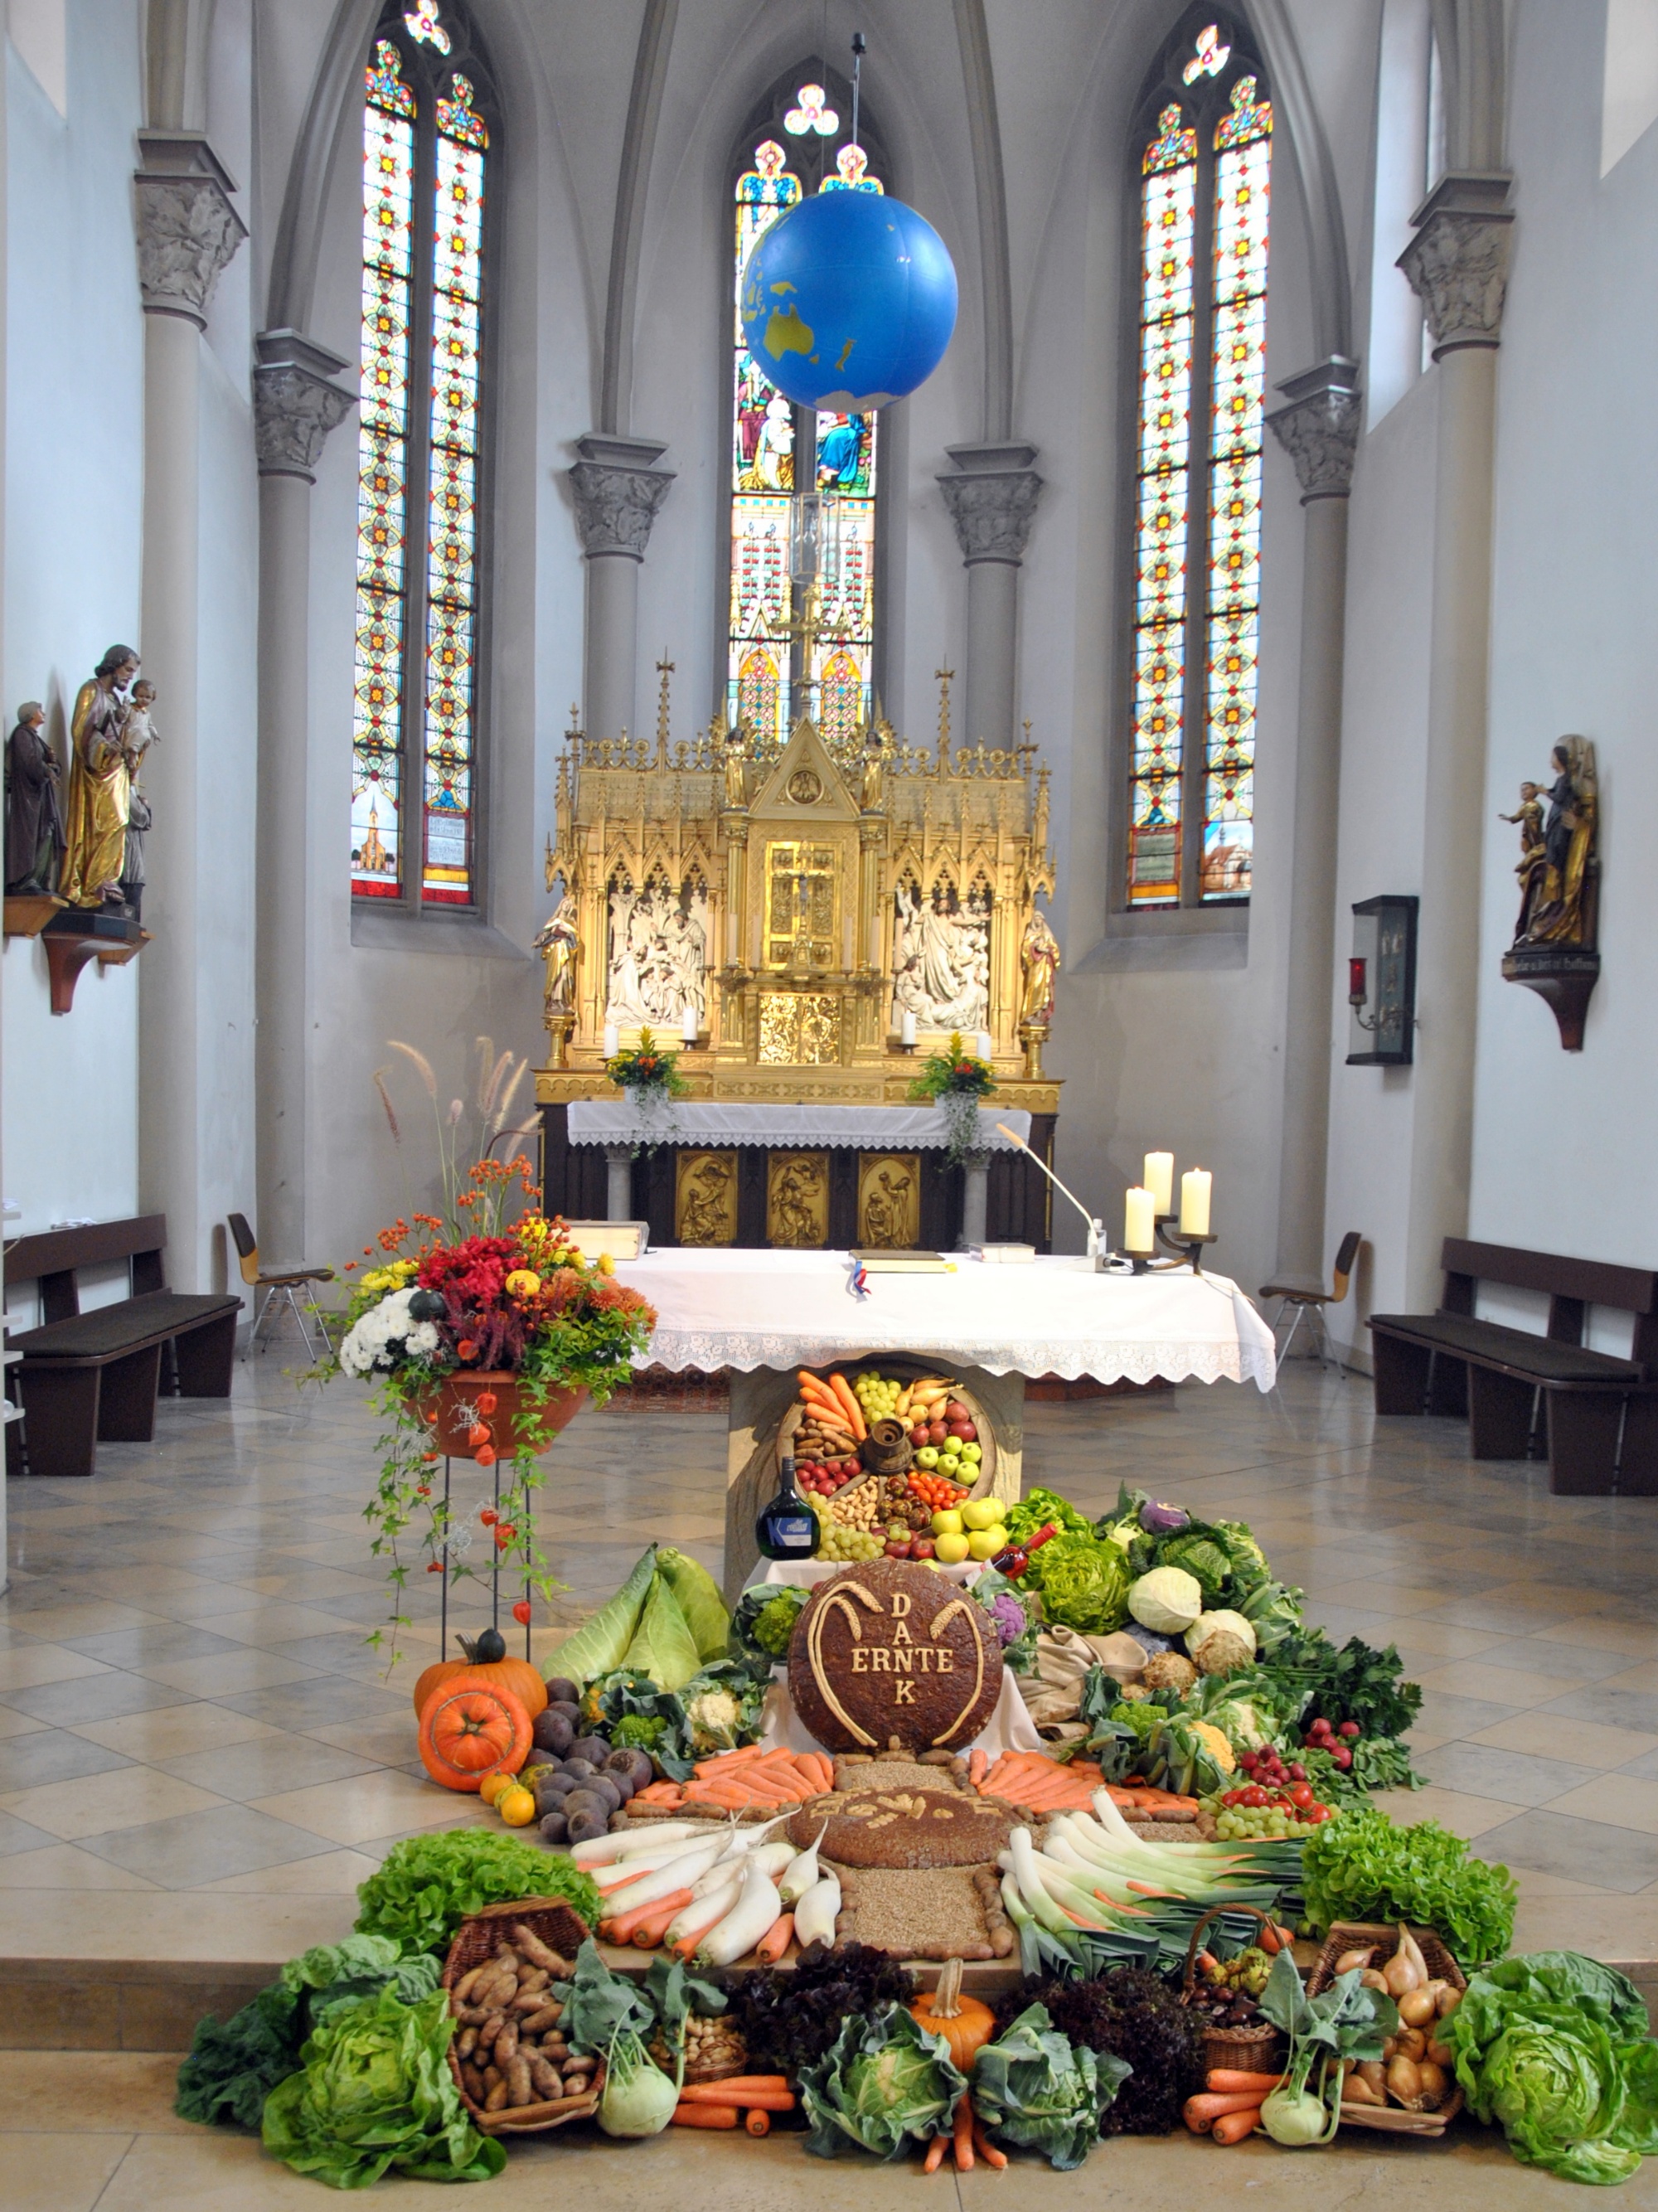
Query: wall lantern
point(1381, 983)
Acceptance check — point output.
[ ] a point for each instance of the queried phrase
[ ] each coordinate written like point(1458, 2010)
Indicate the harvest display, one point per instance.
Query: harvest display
point(719, 1852)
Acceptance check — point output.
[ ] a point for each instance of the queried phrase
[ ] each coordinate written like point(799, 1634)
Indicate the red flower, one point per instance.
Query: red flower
point(485, 1455)
point(487, 1401)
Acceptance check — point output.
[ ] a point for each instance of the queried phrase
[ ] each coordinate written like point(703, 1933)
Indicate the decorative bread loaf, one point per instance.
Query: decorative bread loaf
point(887, 1653)
point(903, 1828)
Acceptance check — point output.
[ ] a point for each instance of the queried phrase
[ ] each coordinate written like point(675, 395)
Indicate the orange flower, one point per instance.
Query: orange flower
point(487, 1402)
point(485, 1455)
point(466, 1348)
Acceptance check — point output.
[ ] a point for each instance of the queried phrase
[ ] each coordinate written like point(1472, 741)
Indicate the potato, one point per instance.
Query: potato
point(518, 2091)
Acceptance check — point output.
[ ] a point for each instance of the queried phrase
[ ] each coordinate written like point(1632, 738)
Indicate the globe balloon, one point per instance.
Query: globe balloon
point(848, 301)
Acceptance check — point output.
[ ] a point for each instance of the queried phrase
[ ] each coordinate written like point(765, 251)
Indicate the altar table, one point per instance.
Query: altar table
point(764, 1314)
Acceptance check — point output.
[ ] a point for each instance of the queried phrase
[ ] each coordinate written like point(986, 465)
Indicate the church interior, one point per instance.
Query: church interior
point(646, 643)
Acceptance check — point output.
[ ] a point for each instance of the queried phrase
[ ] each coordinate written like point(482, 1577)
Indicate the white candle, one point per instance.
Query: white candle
point(1194, 1202)
point(1159, 1179)
point(612, 1040)
point(906, 1028)
point(1139, 1231)
point(688, 1026)
point(985, 1046)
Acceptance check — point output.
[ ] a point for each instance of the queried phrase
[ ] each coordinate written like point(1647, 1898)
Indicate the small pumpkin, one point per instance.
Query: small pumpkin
point(486, 1660)
point(470, 1728)
point(516, 1806)
point(495, 1784)
point(965, 2024)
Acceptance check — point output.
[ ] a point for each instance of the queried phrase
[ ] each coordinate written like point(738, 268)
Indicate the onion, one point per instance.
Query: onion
point(1355, 2090)
point(1416, 2008)
point(1408, 1969)
point(1449, 2001)
point(1373, 2071)
point(1440, 2053)
point(1411, 2043)
point(1404, 2079)
point(1349, 1960)
point(1370, 1979)
point(1433, 2081)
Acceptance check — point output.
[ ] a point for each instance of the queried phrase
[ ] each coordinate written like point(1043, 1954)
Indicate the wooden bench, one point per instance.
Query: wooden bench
point(1598, 1413)
point(83, 1377)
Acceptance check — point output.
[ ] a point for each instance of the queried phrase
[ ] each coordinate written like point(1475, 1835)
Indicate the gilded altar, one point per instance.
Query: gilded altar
point(819, 913)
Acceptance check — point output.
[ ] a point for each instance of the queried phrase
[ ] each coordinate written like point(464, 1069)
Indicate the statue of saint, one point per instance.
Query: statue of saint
point(736, 787)
point(1529, 867)
point(1559, 915)
point(99, 782)
point(139, 819)
point(34, 816)
point(873, 766)
point(1038, 959)
point(138, 730)
point(559, 945)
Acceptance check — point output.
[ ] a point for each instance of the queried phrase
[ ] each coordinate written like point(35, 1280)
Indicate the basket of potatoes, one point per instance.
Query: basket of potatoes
point(1412, 2089)
point(510, 2059)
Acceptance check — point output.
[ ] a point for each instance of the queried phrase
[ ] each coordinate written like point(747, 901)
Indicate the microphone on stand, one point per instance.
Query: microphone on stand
point(1096, 1250)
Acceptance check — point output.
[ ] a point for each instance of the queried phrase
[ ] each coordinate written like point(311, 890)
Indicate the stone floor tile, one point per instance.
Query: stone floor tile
point(96, 1802)
point(26, 1668)
point(271, 1763)
point(1462, 1812)
point(18, 1837)
point(70, 2171)
point(159, 1639)
point(1509, 1686)
point(14, 1723)
point(329, 1874)
point(243, 1668)
point(1585, 1741)
point(376, 1804)
point(1626, 1708)
point(26, 1762)
point(1484, 1770)
point(196, 1848)
point(98, 1697)
point(65, 1866)
point(1623, 1859)
point(1622, 1799)
point(172, 1730)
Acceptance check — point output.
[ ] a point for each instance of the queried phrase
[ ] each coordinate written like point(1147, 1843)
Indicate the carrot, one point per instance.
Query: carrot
point(977, 1764)
point(987, 2149)
point(935, 2155)
point(1223, 2078)
point(757, 2123)
point(821, 1768)
point(623, 1925)
point(705, 2116)
point(1204, 1960)
point(735, 2088)
point(963, 2133)
point(1200, 2113)
point(649, 1933)
point(775, 1941)
point(843, 1391)
point(1233, 2127)
point(724, 1762)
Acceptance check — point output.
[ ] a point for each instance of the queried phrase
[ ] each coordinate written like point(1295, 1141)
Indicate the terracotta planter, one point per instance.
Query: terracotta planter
point(514, 1422)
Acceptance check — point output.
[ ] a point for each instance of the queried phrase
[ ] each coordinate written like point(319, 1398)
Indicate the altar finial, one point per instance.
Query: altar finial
point(665, 668)
point(943, 677)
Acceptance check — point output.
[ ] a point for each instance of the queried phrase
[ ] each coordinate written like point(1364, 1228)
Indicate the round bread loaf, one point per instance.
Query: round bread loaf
point(902, 1828)
point(887, 1652)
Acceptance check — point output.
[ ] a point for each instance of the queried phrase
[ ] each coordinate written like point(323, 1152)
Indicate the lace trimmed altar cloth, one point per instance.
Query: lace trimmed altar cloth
point(892, 1129)
point(747, 1308)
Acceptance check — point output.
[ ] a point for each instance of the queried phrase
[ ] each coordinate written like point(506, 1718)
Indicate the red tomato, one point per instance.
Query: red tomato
point(1301, 1794)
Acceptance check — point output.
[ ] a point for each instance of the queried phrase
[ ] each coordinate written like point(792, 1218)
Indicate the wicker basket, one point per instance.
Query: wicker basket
point(561, 1930)
point(1355, 1935)
point(1250, 2049)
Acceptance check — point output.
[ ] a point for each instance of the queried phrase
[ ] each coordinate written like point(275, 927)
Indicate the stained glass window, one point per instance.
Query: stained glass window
point(1205, 168)
point(783, 660)
point(425, 147)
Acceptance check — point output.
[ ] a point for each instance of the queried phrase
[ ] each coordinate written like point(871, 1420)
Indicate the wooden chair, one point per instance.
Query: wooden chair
point(277, 1284)
point(1310, 1304)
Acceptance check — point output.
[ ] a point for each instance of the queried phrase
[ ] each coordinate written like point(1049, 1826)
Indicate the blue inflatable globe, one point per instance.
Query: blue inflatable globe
point(848, 301)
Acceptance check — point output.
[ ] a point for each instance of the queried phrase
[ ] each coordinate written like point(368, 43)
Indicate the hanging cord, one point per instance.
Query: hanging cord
point(860, 48)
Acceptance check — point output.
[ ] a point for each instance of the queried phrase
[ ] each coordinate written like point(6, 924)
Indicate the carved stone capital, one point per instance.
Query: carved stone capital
point(1318, 427)
point(294, 404)
point(188, 231)
point(617, 493)
point(1457, 264)
point(991, 496)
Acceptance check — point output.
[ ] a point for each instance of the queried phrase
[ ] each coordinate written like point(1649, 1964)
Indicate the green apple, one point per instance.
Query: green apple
point(952, 1549)
point(927, 1456)
point(985, 1543)
point(982, 1513)
point(947, 1523)
point(974, 1452)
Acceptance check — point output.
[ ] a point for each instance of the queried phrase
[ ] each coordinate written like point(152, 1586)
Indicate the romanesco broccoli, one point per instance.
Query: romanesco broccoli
point(774, 1624)
point(638, 1731)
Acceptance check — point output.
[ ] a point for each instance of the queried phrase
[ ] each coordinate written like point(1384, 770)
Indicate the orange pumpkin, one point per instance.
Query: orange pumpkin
point(469, 1729)
point(965, 2024)
point(486, 1660)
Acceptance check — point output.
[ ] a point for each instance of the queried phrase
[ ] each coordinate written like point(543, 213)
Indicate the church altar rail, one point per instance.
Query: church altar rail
point(576, 1183)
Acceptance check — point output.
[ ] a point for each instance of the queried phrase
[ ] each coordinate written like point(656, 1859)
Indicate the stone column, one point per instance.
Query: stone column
point(1318, 428)
point(1457, 264)
point(296, 405)
point(991, 498)
point(617, 493)
point(619, 1182)
point(187, 232)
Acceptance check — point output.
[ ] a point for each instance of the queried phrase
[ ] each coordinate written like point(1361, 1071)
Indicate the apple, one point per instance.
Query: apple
point(952, 1550)
point(982, 1513)
point(958, 1433)
point(918, 1435)
point(927, 1456)
point(936, 1433)
point(955, 1411)
point(920, 1548)
point(897, 1551)
point(985, 1543)
point(972, 1452)
point(970, 1433)
point(947, 1522)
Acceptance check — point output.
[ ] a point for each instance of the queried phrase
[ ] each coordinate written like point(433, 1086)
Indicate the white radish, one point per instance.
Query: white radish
point(816, 1911)
point(616, 1877)
point(702, 1913)
point(604, 1850)
point(679, 1873)
point(757, 1906)
point(770, 1858)
point(803, 1871)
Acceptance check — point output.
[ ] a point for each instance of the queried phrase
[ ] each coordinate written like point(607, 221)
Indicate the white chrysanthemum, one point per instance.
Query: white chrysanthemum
point(385, 1334)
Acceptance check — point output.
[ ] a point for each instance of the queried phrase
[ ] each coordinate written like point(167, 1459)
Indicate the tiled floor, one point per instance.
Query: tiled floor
point(98, 2130)
point(192, 1730)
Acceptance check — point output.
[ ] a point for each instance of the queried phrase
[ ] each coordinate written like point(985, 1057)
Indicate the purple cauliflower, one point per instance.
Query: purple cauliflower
point(1009, 1616)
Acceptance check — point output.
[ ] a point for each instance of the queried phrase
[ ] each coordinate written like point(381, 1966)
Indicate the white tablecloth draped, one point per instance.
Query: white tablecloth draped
point(895, 1128)
point(748, 1309)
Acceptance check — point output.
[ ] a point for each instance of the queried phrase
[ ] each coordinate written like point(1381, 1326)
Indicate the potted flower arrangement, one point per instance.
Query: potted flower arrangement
point(484, 1346)
point(651, 1078)
point(956, 1080)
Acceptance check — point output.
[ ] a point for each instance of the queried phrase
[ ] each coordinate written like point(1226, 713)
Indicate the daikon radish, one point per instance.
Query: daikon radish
point(702, 1913)
point(680, 1872)
point(757, 1906)
point(604, 1850)
point(815, 1912)
point(802, 1871)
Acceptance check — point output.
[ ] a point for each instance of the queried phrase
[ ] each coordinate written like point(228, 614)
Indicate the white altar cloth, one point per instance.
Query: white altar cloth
point(893, 1128)
point(747, 1308)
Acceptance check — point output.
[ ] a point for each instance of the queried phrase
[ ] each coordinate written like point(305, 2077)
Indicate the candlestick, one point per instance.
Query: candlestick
point(907, 1030)
point(1139, 1223)
point(688, 1026)
point(612, 1040)
point(1194, 1186)
point(1158, 1177)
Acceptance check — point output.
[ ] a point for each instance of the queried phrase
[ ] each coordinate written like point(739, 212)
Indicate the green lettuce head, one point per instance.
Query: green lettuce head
point(883, 2083)
point(1032, 2087)
point(375, 2093)
point(1084, 1584)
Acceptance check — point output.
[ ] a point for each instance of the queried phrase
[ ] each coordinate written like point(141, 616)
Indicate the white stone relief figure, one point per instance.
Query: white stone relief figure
point(658, 956)
point(940, 960)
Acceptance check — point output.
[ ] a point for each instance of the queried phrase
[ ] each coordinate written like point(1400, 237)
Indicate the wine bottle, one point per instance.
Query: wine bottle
point(1016, 1558)
point(787, 1527)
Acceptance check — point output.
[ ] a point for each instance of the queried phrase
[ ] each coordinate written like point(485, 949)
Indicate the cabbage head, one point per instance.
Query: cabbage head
point(1196, 1551)
point(1032, 2087)
point(1084, 1584)
point(1167, 1599)
point(883, 2083)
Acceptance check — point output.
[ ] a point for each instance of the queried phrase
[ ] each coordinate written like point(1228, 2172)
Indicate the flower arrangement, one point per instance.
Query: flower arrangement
point(956, 1080)
point(647, 1072)
point(517, 1305)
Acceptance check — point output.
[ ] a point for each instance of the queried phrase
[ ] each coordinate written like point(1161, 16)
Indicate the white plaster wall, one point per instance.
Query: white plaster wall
point(73, 515)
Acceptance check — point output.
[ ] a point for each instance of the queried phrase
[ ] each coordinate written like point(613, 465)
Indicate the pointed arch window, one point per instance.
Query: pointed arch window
point(1205, 159)
point(804, 484)
point(429, 151)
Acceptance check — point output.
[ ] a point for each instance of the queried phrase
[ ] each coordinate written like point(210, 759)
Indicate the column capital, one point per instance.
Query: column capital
point(295, 405)
point(188, 231)
point(1318, 427)
point(618, 491)
point(991, 496)
point(1457, 264)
